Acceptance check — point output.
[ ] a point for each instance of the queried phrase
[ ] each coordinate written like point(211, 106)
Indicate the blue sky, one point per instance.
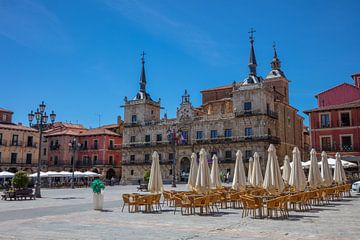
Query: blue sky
point(83, 56)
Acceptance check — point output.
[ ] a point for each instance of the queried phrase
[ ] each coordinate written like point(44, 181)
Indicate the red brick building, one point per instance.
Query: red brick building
point(335, 123)
point(100, 149)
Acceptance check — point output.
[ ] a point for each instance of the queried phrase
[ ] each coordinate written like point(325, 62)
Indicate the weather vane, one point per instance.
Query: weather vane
point(252, 34)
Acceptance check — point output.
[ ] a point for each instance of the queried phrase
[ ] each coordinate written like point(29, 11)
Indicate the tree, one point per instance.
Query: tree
point(20, 180)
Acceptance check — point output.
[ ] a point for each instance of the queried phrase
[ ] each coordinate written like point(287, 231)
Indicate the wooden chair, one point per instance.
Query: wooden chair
point(202, 203)
point(250, 205)
point(167, 198)
point(183, 204)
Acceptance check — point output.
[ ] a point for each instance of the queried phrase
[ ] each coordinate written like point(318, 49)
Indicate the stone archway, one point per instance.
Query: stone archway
point(110, 173)
point(184, 169)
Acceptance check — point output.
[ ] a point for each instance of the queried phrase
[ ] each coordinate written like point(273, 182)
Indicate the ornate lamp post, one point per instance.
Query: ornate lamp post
point(172, 136)
point(41, 122)
point(74, 146)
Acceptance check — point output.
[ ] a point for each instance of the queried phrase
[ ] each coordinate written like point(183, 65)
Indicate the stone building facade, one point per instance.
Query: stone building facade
point(18, 145)
point(246, 115)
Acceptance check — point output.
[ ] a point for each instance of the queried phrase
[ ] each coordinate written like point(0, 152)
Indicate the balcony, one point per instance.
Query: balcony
point(31, 145)
point(227, 160)
point(253, 138)
point(146, 144)
point(345, 148)
point(250, 113)
point(114, 147)
point(55, 147)
point(135, 163)
point(134, 124)
point(16, 143)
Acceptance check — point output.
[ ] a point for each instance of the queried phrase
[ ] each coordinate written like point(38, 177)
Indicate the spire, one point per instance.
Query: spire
point(275, 63)
point(185, 98)
point(142, 76)
point(252, 59)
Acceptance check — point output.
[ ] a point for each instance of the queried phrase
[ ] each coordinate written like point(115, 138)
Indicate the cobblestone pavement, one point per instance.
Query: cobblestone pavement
point(68, 214)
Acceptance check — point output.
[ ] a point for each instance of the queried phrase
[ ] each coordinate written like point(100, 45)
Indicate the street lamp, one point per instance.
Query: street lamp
point(172, 136)
point(74, 146)
point(41, 122)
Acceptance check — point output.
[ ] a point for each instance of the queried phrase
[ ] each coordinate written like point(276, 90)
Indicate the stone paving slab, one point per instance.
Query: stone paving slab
point(55, 218)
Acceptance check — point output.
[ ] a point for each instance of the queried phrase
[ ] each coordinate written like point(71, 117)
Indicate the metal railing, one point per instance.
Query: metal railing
point(249, 113)
point(55, 147)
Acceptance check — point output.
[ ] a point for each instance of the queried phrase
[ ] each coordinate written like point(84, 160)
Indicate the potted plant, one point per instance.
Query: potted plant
point(98, 196)
point(146, 176)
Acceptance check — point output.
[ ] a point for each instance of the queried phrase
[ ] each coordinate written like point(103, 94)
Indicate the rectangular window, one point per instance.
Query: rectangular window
point(0, 157)
point(228, 133)
point(228, 154)
point(13, 158)
point(133, 119)
point(325, 120)
point(247, 106)
point(1, 139)
point(248, 154)
point(56, 160)
point(213, 134)
point(30, 141)
point(111, 144)
point(15, 140)
point(95, 158)
point(132, 139)
point(95, 144)
point(346, 143)
point(326, 143)
point(147, 158)
point(248, 132)
point(85, 145)
point(28, 158)
point(132, 158)
point(171, 156)
point(44, 151)
point(147, 138)
point(199, 135)
point(345, 119)
point(158, 137)
point(160, 157)
point(111, 160)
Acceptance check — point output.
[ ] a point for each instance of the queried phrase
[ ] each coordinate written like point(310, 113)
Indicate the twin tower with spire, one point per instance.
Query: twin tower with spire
point(142, 108)
point(275, 64)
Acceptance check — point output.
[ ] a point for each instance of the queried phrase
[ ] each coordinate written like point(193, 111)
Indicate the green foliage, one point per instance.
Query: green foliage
point(146, 176)
point(20, 180)
point(97, 186)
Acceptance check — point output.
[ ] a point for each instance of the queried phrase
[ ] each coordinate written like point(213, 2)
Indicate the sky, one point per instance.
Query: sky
point(82, 57)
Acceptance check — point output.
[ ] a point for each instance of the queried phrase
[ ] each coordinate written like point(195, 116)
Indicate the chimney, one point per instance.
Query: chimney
point(356, 78)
